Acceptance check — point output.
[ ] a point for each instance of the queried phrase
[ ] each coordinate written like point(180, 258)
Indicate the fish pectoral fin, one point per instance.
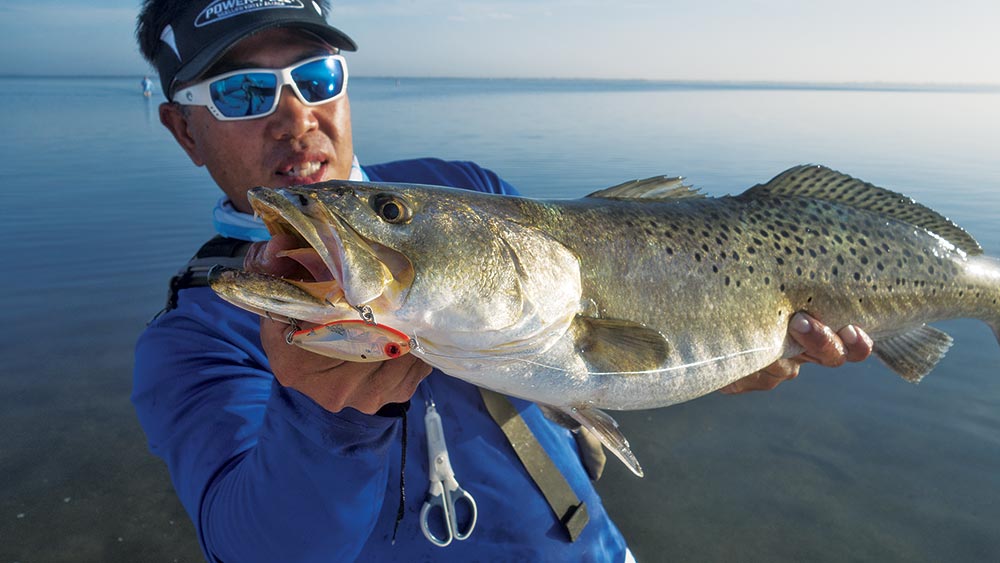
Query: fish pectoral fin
point(602, 426)
point(618, 346)
point(914, 353)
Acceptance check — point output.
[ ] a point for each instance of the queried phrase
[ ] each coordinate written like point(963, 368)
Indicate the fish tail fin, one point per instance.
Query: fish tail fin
point(913, 353)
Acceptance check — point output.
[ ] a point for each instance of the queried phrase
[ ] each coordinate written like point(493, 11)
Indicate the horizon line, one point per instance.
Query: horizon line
point(760, 83)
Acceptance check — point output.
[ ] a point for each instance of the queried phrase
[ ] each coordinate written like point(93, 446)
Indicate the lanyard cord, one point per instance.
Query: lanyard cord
point(402, 483)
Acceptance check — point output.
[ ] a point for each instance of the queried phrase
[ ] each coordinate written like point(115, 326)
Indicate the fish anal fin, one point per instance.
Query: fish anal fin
point(601, 425)
point(822, 183)
point(914, 353)
point(657, 187)
point(612, 345)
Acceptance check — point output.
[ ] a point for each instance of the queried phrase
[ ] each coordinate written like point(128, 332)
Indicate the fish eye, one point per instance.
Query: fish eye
point(390, 208)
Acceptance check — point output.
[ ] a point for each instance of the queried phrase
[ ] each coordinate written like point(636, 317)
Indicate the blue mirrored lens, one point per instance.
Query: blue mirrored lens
point(319, 80)
point(244, 95)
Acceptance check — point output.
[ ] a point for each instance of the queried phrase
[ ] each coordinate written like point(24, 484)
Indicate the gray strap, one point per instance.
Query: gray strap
point(568, 508)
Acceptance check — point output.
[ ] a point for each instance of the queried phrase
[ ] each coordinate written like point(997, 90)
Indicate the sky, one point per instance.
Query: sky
point(894, 41)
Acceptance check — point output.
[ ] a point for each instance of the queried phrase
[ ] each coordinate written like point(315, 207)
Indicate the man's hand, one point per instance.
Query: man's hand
point(333, 384)
point(822, 346)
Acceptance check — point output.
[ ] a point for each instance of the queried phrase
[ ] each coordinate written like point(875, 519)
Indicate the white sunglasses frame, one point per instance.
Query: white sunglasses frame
point(200, 94)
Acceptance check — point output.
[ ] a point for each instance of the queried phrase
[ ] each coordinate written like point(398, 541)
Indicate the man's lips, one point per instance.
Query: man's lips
point(303, 172)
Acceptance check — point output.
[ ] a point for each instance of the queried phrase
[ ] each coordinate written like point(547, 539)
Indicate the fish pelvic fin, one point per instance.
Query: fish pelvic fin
point(589, 445)
point(599, 424)
point(822, 183)
point(914, 353)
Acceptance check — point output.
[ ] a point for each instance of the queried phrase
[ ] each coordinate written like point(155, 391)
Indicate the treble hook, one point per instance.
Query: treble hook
point(295, 328)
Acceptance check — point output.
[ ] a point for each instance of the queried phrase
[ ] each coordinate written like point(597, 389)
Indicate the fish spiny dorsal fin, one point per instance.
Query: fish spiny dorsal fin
point(819, 182)
point(657, 187)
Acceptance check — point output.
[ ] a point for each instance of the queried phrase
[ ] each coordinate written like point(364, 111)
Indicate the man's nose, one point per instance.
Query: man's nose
point(292, 118)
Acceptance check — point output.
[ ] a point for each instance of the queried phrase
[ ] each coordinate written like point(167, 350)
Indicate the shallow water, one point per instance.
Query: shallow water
point(99, 207)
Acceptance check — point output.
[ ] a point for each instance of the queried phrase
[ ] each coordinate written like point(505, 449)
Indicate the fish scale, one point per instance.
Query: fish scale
point(638, 296)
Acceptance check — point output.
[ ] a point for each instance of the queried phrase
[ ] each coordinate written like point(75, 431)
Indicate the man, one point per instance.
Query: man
point(282, 455)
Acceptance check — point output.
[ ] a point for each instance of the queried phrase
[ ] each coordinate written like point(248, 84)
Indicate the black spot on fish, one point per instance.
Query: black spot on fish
point(857, 276)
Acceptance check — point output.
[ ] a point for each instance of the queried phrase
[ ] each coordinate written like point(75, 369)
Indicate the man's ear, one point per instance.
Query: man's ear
point(175, 118)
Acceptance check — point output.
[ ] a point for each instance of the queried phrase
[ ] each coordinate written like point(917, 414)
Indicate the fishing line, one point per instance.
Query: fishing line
point(716, 359)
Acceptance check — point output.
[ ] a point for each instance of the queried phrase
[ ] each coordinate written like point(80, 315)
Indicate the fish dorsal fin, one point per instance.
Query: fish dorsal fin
point(820, 182)
point(657, 187)
point(914, 353)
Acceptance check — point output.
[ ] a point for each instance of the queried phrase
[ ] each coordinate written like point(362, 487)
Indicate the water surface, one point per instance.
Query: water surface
point(99, 207)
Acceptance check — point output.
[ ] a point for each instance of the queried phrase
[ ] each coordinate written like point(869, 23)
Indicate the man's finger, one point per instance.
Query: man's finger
point(821, 344)
point(262, 257)
point(857, 343)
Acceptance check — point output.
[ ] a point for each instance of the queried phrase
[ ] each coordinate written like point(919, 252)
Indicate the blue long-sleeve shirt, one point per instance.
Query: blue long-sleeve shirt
point(268, 475)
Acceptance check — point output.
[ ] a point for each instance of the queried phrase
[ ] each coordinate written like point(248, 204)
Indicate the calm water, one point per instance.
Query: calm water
point(98, 207)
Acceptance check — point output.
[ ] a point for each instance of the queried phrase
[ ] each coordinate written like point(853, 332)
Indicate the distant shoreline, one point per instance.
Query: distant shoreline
point(633, 83)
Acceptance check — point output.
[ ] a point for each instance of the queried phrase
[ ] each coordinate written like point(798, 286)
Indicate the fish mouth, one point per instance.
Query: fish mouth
point(340, 266)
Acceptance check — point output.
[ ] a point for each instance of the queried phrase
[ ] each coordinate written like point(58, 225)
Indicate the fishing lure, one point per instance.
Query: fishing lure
point(352, 341)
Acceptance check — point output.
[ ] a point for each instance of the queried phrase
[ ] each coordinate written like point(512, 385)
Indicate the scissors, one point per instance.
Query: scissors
point(444, 493)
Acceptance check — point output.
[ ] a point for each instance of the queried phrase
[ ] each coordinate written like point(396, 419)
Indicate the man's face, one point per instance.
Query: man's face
point(297, 144)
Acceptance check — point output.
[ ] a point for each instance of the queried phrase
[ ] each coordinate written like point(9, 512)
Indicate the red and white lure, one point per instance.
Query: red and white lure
point(352, 341)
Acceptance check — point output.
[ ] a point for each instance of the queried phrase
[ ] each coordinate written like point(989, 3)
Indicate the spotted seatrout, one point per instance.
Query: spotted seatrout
point(638, 296)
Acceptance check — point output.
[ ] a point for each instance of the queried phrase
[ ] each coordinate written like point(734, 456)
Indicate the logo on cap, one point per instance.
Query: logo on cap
point(223, 9)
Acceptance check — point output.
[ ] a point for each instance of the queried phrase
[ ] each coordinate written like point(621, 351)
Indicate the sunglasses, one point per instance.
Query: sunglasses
point(254, 92)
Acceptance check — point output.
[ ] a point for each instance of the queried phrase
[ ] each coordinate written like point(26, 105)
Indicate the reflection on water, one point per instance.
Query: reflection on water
point(99, 207)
